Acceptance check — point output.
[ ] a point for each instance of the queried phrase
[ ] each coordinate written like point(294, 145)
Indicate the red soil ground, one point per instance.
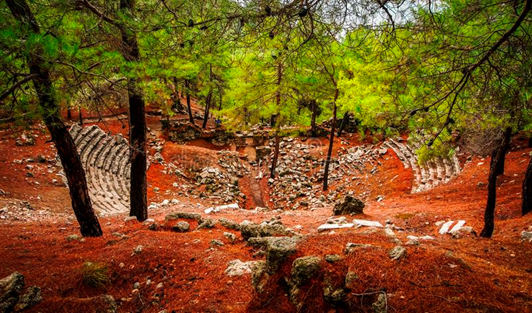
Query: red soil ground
point(468, 274)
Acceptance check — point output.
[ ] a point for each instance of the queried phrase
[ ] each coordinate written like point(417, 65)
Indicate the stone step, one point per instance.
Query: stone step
point(121, 154)
point(91, 146)
point(111, 158)
point(105, 152)
point(98, 150)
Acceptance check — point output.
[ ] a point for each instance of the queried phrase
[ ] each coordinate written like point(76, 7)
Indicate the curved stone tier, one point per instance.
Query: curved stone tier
point(106, 162)
point(435, 172)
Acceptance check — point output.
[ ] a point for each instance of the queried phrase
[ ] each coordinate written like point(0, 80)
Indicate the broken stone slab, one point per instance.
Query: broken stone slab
point(445, 227)
point(181, 227)
point(232, 206)
point(325, 227)
point(367, 223)
point(249, 229)
point(457, 226)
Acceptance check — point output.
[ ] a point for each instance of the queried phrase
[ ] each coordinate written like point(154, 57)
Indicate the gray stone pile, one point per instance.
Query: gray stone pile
point(12, 296)
point(299, 173)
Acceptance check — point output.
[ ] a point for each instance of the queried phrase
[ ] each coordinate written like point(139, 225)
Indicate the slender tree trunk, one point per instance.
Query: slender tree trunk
point(499, 167)
point(177, 99)
point(221, 98)
point(526, 206)
point(207, 109)
point(489, 214)
point(278, 120)
point(275, 154)
point(69, 114)
point(66, 148)
point(137, 125)
point(331, 142)
point(314, 105)
point(208, 100)
point(190, 117)
point(345, 121)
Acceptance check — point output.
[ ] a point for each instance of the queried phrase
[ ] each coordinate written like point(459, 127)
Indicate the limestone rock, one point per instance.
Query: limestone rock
point(10, 288)
point(181, 227)
point(526, 236)
point(31, 297)
point(349, 205)
point(207, 223)
point(304, 268)
point(350, 279)
point(397, 253)
point(229, 224)
point(350, 247)
point(279, 248)
point(230, 236)
point(333, 258)
point(183, 215)
point(259, 276)
point(381, 305)
point(239, 268)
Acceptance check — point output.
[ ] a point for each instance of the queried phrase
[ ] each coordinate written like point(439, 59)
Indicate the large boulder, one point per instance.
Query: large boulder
point(304, 268)
point(264, 229)
point(278, 250)
point(349, 205)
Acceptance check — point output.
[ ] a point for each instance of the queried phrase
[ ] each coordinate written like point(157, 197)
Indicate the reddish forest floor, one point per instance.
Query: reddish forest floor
point(467, 274)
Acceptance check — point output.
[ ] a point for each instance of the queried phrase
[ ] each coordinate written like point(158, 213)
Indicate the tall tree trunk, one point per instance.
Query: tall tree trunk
point(345, 121)
point(189, 107)
point(66, 148)
point(277, 119)
point(69, 113)
point(275, 154)
point(177, 105)
point(331, 142)
point(526, 206)
point(314, 105)
point(137, 124)
point(208, 100)
point(207, 109)
point(499, 167)
point(221, 98)
point(489, 213)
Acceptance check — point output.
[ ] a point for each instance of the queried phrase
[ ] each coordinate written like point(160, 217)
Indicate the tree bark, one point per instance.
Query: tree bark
point(177, 105)
point(190, 117)
point(208, 100)
point(277, 119)
point(314, 105)
point(526, 206)
point(331, 142)
point(345, 121)
point(499, 167)
point(489, 213)
point(275, 155)
point(66, 148)
point(221, 98)
point(137, 125)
